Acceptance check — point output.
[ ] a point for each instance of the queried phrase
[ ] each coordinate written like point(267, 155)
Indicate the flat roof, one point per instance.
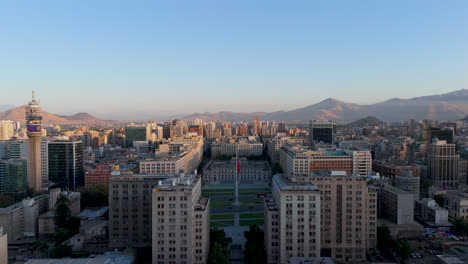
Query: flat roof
point(93, 212)
point(286, 185)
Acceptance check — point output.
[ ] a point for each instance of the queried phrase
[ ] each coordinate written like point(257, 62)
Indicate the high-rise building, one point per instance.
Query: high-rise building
point(44, 160)
point(292, 220)
point(3, 246)
point(34, 127)
point(13, 176)
point(322, 131)
point(348, 215)
point(299, 160)
point(443, 164)
point(362, 161)
point(180, 221)
point(134, 133)
point(281, 127)
point(397, 205)
point(7, 129)
point(66, 163)
point(130, 209)
point(409, 183)
point(14, 149)
point(462, 171)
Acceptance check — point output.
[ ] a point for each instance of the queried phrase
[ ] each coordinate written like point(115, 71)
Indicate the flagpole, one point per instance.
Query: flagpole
point(236, 203)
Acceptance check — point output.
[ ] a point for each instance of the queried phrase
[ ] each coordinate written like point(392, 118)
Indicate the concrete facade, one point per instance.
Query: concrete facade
point(348, 215)
point(397, 205)
point(3, 246)
point(224, 172)
point(180, 222)
point(429, 211)
point(12, 221)
point(443, 164)
point(292, 221)
point(409, 183)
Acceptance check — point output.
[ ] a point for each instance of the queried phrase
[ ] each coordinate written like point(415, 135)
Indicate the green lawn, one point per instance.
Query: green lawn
point(221, 203)
point(217, 194)
point(221, 223)
point(222, 217)
point(252, 193)
point(218, 190)
point(253, 202)
point(251, 222)
point(251, 215)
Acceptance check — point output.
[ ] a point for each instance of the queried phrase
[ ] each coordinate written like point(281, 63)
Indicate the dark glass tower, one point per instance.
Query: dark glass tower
point(66, 164)
point(322, 131)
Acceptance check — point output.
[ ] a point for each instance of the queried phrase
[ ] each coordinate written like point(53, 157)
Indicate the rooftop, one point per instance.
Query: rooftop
point(93, 212)
point(317, 260)
point(396, 190)
point(286, 185)
point(107, 258)
point(11, 207)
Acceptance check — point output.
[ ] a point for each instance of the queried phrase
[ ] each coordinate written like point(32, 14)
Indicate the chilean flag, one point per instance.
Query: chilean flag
point(238, 169)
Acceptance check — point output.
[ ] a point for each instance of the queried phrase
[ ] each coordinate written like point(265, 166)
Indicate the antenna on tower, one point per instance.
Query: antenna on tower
point(33, 96)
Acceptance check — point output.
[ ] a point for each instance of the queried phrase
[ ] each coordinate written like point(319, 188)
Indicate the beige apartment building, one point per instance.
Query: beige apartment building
point(296, 159)
point(277, 143)
point(3, 246)
point(180, 221)
point(130, 209)
point(244, 147)
point(179, 157)
point(362, 161)
point(348, 215)
point(443, 165)
point(12, 221)
point(292, 221)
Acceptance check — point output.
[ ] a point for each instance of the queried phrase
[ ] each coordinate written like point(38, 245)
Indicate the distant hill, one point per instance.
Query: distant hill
point(6, 107)
point(449, 106)
point(18, 114)
point(369, 121)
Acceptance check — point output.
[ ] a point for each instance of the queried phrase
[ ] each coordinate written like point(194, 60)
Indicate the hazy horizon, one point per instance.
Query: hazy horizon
point(142, 116)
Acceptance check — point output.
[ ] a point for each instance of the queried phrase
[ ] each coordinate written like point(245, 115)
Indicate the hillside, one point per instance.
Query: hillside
point(369, 121)
point(449, 106)
point(18, 114)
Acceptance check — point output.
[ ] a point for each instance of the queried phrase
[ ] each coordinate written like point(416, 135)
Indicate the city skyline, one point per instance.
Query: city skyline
point(262, 56)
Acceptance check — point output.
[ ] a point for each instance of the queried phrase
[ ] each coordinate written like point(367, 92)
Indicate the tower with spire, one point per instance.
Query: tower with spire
point(34, 127)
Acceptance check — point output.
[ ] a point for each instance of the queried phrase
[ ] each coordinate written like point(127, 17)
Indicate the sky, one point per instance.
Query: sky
point(131, 59)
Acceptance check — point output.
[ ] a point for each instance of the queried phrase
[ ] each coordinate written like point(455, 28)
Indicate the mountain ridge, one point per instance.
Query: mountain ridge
point(18, 115)
point(448, 106)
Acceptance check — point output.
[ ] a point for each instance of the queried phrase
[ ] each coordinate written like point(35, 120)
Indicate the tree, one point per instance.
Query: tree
point(439, 200)
point(218, 254)
point(61, 234)
point(6, 200)
point(62, 212)
point(96, 196)
point(61, 251)
point(426, 184)
point(254, 251)
point(219, 236)
point(40, 247)
point(74, 225)
point(404, 250)
point(460, 226)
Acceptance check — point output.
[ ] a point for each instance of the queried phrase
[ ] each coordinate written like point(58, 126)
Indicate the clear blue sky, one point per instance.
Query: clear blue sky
point(120, 59)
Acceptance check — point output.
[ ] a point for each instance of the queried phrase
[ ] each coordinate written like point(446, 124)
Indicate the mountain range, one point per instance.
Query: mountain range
point(18, 114)
point(449, 106)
